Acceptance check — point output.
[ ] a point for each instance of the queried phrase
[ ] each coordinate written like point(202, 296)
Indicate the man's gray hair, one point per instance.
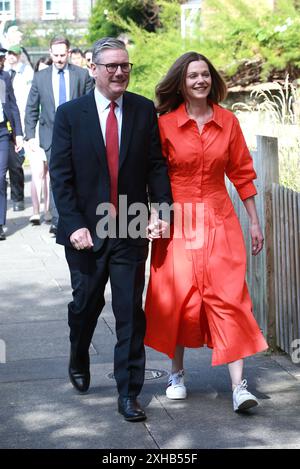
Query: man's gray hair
point(106, 43)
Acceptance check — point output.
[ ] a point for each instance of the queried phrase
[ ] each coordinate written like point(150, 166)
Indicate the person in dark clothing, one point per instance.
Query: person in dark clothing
point(10, 125)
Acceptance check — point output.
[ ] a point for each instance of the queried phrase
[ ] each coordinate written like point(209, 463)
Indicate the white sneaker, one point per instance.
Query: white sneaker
point(176, 388)
point(35, 219)
point(243, 399)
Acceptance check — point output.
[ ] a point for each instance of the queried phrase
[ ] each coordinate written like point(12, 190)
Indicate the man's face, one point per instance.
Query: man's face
point(59, 55)
point(77, 59)
point(111, 85)
point(12, 58)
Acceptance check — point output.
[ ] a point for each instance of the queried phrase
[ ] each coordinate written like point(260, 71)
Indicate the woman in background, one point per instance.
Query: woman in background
point(39, 169)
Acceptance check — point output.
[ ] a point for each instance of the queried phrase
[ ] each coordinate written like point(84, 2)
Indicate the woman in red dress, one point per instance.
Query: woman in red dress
point(197, 293)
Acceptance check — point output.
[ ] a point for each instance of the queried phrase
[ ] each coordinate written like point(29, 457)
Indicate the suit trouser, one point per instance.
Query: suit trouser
point(4, 143)
point(125, 266)
point(16, 174)
point(52, 206)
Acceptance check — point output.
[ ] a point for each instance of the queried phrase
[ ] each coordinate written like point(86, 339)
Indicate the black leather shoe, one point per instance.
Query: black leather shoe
point(53, 229)
point(19, 206)
point(130, 409)
point(2, 234)
point(79, 375)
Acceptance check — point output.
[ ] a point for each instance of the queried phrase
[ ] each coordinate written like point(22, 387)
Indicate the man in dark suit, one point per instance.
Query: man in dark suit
point(51, 87)
point(105, 145)
point(10, 126)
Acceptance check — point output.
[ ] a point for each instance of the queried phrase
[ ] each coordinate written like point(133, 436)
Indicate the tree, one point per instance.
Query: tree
point(144, 13)
point(233, 34)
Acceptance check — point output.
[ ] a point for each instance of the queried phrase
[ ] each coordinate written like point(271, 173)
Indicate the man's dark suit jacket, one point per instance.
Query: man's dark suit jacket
point(10, 108)
point(78, 166)
point(40, 105)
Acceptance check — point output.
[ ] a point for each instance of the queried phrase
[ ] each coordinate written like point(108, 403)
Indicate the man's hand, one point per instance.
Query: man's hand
point(156, 227)
point(19, 143)
point(81, 239)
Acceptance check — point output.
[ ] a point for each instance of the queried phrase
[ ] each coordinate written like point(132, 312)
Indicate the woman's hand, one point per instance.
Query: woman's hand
point(256, 238)
point(156, 227)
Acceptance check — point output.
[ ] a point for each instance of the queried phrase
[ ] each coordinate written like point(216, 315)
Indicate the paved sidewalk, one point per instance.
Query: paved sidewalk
point(40, 409)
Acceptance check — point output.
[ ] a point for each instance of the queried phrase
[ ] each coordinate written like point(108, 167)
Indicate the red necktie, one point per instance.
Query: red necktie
point(112, 152)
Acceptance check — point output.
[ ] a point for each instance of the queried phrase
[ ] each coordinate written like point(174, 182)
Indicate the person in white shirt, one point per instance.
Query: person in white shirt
point(40, 179)
point(21, 75)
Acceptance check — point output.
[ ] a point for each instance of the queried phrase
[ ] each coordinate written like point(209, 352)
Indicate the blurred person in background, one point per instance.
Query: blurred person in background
point(77, 57)
point(59, 83)
point(88, 60)
point(21, 75)
point(10, 127)
point(12, 36)
point(39, 168)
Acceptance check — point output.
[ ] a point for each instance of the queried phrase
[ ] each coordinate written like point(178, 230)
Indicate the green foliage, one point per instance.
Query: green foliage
point(276, 103)
point(236, 31)
point(32, 37)
point(231, 32)
point(151, 59)
point(141, 12)
point(275, 111)
point(153, 53)
point(289, 162)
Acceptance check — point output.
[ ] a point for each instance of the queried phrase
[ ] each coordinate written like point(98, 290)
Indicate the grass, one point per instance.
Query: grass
point(273, 110)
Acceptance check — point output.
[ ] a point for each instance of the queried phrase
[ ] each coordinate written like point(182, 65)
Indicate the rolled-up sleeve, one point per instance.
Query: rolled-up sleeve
point(239, 168)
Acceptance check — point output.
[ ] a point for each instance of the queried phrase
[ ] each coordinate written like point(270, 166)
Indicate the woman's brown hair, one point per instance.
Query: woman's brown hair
point(170, 90)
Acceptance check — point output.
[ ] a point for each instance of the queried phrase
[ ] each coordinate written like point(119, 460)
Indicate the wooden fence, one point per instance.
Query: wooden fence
point(273, 276)
point(286, 215)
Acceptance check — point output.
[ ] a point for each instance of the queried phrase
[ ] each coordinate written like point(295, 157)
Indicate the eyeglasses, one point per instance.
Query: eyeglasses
point(112, 68)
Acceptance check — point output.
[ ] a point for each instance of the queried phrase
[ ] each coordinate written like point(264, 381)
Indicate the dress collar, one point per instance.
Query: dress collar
point(183, 117)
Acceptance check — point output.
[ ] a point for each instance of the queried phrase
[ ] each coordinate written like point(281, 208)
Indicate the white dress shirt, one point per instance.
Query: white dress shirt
point(55, 83)
point(103, 104)
point(1, 113)
point(21, 85)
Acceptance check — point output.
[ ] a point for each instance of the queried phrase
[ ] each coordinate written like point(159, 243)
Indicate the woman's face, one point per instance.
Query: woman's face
point(197, 81)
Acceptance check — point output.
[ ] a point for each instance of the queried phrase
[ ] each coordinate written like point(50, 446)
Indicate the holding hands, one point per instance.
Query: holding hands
point(156, 227)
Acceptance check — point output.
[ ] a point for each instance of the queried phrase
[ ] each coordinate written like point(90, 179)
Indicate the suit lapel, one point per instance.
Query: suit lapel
point(72, 77)
point(127, 126)
point(49, 86)
point(93, 125)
